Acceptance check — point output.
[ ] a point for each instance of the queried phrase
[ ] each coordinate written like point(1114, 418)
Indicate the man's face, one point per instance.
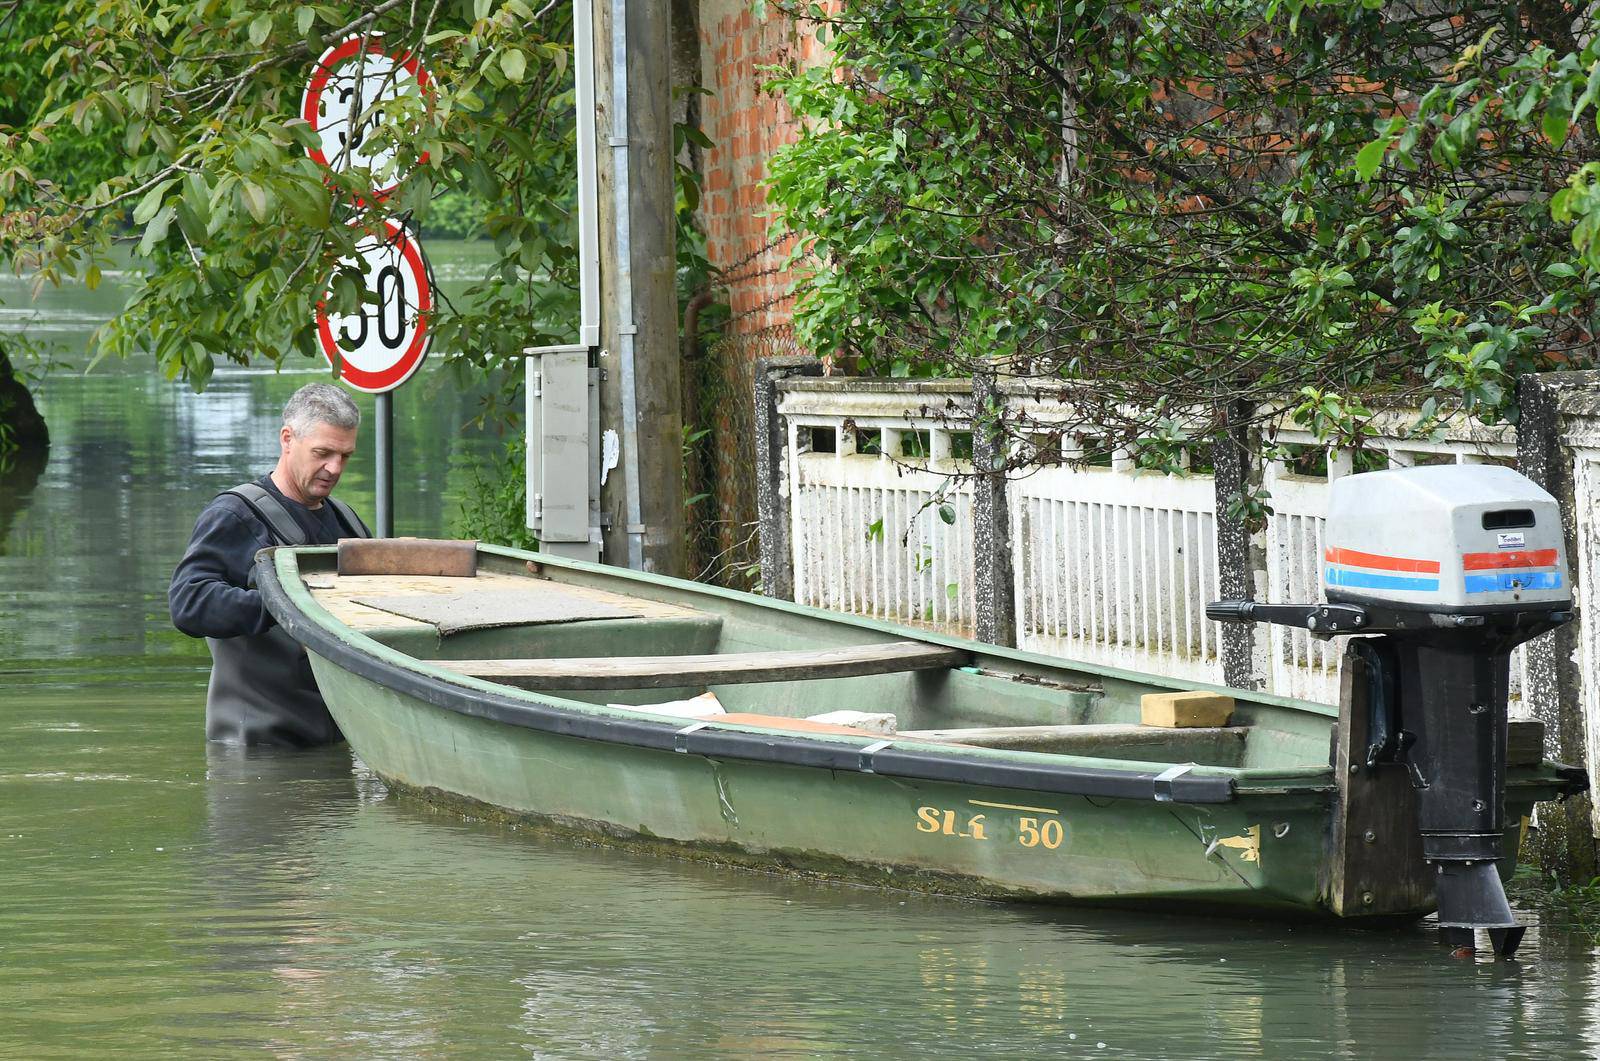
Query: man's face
point(315, 459)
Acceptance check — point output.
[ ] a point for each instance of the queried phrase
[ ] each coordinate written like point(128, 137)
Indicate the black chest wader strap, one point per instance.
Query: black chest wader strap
point(351, 521)
point(284, 527)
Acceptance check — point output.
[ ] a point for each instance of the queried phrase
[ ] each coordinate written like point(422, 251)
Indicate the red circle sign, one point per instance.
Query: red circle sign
point(357, 70)
point(378, 348)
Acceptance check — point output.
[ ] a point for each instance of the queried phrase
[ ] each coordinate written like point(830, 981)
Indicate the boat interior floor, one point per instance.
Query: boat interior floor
point(510, 626)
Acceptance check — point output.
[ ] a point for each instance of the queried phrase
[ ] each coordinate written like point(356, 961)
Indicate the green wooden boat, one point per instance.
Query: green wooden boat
point(518, 685)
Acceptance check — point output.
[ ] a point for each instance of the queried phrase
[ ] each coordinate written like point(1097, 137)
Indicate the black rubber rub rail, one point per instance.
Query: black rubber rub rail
point(726, 743)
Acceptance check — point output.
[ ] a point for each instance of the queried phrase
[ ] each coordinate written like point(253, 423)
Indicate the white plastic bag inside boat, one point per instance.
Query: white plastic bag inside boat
point(703, 706)
point(871, 721)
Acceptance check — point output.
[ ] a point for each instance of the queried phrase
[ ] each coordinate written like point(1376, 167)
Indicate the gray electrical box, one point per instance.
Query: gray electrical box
point(563, 418)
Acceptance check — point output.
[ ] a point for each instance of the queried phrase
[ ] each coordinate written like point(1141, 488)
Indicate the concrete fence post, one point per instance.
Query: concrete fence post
point(771, 454)
point(994, 580)
point(1553, 688)
point(1237, 460)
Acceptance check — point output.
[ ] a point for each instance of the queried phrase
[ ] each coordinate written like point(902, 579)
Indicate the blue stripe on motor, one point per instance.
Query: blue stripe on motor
point(1339, 576)
point(1500, 581)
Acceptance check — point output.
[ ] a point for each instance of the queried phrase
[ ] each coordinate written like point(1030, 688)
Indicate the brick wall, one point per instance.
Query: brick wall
point(745, 126)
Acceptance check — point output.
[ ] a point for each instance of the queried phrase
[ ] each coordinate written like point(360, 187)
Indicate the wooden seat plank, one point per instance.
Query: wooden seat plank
point(654, 672)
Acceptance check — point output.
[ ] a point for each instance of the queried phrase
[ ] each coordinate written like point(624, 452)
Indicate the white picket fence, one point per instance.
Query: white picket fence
point(1113, 565)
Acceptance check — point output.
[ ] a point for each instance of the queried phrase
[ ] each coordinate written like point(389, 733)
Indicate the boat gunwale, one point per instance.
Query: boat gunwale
point(305, 619)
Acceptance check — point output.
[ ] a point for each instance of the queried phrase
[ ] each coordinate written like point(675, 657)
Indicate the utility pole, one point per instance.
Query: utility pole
point(642, 496)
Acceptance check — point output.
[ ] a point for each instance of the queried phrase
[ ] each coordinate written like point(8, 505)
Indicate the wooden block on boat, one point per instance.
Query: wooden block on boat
point(407, 556)
point(1525, 742)
point(1185, 710)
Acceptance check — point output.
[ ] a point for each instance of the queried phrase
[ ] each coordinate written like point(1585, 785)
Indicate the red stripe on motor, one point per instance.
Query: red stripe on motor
point(1514, 558)
point(1382, 563)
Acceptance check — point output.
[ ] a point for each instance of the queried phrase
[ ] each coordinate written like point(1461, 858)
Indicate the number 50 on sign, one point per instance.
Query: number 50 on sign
point(383, 342)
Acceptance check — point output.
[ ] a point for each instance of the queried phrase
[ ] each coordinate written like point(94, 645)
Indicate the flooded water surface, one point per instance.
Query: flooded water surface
point(160, 898)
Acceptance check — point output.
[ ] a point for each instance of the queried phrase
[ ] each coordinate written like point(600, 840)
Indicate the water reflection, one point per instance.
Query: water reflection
point(19, 474)
point(587, 951)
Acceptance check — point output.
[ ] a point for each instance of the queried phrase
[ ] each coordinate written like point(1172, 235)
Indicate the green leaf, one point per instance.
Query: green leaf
point(260, 29)
point(303, 20)
point(1557, 124)
point(152, 201)
point(1560, 208)
point(255, 200)
point(156, 230)
point(1369, 158)
point(199, 364)
point(947, 513)
point(197, 197)
point(514, 64)
point(308, 203)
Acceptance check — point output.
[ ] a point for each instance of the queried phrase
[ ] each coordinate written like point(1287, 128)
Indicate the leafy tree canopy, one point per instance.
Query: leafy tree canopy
point(1193, 202)
point(203, 174)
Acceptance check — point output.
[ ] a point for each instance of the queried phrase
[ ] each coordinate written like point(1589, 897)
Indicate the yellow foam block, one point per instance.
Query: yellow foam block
point(1185, 710)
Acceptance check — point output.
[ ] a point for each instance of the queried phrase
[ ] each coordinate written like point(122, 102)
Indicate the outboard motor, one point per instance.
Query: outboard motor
point(1454, 566)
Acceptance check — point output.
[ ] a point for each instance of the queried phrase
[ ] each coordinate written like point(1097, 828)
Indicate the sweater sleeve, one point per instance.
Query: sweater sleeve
point(210, 595)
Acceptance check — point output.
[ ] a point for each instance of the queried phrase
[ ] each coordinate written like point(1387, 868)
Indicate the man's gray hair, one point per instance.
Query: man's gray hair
point(320, 403)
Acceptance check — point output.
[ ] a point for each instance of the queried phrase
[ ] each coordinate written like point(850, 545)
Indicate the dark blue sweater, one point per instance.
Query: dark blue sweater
point(212, 594)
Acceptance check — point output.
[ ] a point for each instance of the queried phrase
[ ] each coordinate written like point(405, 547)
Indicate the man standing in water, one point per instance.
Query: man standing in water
point(262, 690)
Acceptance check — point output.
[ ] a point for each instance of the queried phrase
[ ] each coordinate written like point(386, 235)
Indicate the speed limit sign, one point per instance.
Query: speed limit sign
point(378, 347)
point(346, 82)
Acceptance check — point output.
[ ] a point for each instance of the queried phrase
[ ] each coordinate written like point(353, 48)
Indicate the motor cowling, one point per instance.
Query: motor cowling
point(1460, 539)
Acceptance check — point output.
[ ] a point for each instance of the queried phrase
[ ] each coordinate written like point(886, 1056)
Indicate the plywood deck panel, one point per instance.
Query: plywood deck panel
point(338, 594)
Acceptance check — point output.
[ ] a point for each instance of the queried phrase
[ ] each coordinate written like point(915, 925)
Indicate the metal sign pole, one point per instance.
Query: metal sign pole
point(384, 433)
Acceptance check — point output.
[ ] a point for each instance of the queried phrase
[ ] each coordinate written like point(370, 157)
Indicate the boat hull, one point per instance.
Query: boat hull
point(1259, 853)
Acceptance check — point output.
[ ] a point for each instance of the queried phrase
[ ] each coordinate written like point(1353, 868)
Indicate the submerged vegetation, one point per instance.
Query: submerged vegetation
point(1574, 906)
